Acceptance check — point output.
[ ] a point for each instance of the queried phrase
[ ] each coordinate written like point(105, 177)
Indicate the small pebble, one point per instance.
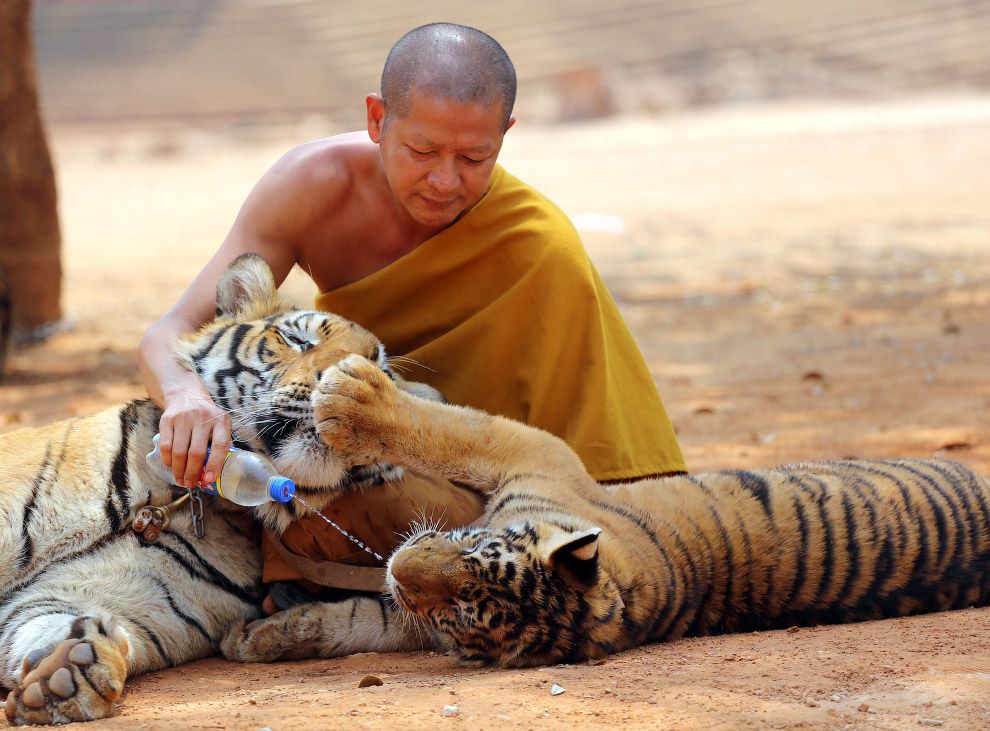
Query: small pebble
point(556, 689)
point(930, 722)
point(370, 680)
point(863, 707)
point(792, 630)
point(449, 711)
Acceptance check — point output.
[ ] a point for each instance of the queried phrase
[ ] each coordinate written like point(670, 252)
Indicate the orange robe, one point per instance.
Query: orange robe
point(505, 312)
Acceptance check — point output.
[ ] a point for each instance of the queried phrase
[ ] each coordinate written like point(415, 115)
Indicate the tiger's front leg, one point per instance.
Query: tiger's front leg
point(365, 418)
point(327, 629)
point(77, 679)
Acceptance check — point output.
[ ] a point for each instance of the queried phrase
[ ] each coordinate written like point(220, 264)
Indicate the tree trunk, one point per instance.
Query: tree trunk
point(29, 233)
point(6, 321)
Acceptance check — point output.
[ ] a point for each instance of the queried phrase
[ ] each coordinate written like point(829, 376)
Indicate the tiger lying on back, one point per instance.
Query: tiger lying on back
point(564, 569)
point(85, 602)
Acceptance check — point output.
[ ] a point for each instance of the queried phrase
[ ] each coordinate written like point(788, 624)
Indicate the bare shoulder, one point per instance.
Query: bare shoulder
point(317, 207)
point(308, 183)
point(327, 165)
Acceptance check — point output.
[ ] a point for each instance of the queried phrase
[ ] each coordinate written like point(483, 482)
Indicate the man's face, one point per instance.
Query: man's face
point(439, 157)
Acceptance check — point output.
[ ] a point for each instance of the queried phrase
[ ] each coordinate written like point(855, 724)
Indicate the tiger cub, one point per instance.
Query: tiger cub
point(84, 601)
point(564, 569)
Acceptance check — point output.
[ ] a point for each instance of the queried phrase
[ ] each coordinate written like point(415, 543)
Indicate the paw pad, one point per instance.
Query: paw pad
point(82, 654)
point(34, 696)
point(61, 683)
point(48, 679)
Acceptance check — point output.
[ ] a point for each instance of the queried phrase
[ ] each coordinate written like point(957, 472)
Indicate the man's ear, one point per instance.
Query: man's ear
point(512, 121)
point(376, 116)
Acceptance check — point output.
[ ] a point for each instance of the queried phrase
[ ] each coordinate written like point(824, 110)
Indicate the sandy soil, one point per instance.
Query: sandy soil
point(806, 281)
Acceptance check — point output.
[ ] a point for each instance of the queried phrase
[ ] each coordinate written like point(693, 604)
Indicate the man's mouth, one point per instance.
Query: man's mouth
point(437, 205)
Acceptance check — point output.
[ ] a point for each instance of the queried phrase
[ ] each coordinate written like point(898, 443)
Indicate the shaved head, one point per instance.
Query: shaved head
point(449, 61)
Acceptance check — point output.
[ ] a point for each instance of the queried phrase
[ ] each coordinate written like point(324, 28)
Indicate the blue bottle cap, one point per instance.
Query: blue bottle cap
point(281, 489)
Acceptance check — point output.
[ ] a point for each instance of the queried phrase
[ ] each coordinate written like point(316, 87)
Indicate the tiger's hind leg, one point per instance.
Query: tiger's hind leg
point(327, 629)
point(76, 679)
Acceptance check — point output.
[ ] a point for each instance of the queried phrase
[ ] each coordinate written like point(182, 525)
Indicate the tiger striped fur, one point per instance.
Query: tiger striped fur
point(563, 569)
point(84, 602)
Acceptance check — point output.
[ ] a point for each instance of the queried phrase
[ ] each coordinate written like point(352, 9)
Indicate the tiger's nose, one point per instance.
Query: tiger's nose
point(420, 579)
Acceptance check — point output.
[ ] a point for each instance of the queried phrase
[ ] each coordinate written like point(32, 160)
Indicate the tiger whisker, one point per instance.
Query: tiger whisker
point(255, 408)
point(407, 361)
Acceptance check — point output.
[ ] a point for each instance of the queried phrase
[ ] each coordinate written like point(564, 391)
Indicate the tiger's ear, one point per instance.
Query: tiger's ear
point(577, 552)
point(247, 287)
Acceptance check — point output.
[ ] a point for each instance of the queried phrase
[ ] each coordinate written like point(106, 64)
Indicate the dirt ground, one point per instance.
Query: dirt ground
point(807, 281)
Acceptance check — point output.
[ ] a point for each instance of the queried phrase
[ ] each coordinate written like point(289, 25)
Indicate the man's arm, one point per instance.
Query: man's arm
point(272, 222)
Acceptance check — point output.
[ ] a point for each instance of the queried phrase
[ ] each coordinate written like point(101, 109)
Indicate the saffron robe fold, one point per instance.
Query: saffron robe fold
point(504, 311)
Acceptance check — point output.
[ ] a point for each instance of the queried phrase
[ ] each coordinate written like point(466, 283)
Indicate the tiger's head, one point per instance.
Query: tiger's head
point(527, 594)
point(261, 358)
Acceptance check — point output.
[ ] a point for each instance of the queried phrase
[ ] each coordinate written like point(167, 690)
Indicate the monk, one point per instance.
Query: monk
point(412, 230)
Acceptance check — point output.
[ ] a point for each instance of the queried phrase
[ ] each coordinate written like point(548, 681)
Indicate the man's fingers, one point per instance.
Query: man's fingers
point(165, 442)
point(188, 425)
point(179, 462)
point(196, 455)
point(173, 443)
point(219, 445)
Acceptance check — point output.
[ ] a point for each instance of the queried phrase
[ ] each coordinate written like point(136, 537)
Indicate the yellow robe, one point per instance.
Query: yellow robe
point(502, 311)
point(506, 313)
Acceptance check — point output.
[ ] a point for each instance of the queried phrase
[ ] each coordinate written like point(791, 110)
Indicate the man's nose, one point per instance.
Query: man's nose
point(443, 176)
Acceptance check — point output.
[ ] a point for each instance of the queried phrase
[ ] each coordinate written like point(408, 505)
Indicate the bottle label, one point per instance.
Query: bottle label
point(215, 487)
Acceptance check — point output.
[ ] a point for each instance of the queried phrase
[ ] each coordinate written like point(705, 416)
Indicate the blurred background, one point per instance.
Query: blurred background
point(258, 61)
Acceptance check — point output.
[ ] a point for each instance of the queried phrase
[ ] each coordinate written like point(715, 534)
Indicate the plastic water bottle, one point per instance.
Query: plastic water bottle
point(246, 478)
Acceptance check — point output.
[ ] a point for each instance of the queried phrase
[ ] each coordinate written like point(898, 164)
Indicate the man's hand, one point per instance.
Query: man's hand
point(190, 423)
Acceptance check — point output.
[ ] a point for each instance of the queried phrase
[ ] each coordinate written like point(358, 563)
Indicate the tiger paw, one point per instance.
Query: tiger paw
point(77, 679)
point(291, 634)
point(355, 407)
